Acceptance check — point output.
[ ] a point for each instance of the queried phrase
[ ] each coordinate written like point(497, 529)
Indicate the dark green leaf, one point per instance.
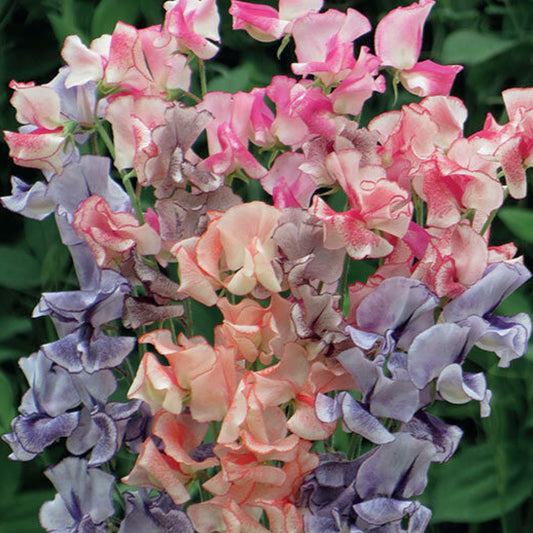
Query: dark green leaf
point(469, 47)
point(7, 411)
point(109, 12)
point(21, 515)
point(18, 269)
point(11, 325)
point(480, 484)
point(519, 221)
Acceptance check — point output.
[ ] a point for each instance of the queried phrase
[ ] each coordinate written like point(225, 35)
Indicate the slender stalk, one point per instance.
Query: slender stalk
point(133, 197)
point(105, 136)
point(203, 78)
point(343, 282)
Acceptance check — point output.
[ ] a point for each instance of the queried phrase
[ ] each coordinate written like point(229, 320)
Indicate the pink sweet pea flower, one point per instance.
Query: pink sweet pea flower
point(41, 139)
point(194, 25)
point(111, 236)
point(264, 23)
point(303, 112)
point(398, 42)
point(228, 132)
point(324, 43)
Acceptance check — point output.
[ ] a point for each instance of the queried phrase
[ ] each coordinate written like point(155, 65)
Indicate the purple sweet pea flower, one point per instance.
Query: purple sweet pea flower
point(506, 336)
point(84, 500)
point(153, 514)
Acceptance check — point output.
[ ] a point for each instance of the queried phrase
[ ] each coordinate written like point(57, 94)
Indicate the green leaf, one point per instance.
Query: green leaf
point(480, 484)
point(13, 325)
point(18, 269)
point(9, 354)
point(20, 515)
point(108, 12)
point(469, 47)
point(519, 221)
point(11, 474)
point(7, 411)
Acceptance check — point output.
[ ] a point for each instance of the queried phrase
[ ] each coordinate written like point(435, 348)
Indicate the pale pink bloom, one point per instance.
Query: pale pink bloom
point(236, 252)
point(427, 78)
point(228, 132)
point(128, 115)
point(41, 149)
point(206, 377)
point(514, 140)
point(358, 85)
point(287, 183)
point(41, 140)
point(454, 260)
point(303, 112)
point(324, 43)
point(398, 42)
point(194, 25)
point(450, 190)
point(264, 23)
point(86, 64)
point(111, 236)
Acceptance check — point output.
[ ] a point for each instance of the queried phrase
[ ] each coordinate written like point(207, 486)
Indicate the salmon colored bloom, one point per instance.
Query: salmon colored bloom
point(236, 251)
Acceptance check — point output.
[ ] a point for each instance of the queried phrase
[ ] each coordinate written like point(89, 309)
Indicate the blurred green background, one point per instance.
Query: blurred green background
point(487, 486)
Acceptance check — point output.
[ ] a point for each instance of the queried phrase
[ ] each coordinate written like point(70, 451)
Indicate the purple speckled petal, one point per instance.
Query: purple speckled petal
point(443, 436)
point(327, 409)
point(498, 282)
point(397, 399)
point(357, 419)
point(36, 432)
point(153, 515)
point(419, 520)
point(396, 302)
point(433, 350)
point(363, 370)
point(29, 201)
point(456, 387)
point(397, 469)
point(380, 511)
point(52, 389)
point(83, 492)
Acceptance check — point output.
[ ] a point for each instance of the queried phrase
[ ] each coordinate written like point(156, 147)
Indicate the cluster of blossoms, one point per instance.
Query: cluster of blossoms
point(237, 434)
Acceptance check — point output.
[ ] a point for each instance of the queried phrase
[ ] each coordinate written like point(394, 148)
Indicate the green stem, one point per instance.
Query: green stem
point(203, 78)
point(343, 282)
point(134, 200)
point(105, 137)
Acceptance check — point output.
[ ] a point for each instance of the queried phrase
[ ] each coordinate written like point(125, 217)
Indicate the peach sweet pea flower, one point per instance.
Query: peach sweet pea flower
point(205, 377)
point(398, 42)
point(236, 251)
point(111, 236)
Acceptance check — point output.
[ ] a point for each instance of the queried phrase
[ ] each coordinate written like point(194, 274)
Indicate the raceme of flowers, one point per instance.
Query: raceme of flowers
point(238, 434)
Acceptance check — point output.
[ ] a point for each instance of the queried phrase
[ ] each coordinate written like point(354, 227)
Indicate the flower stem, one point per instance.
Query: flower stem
point(203, 78)
point(105, 136)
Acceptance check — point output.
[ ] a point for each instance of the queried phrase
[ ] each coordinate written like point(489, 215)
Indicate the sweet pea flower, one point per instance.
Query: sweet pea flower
point(236, 251)
point(229, 131)
point(194, 25)
point(324, 43)
point(264, 23)
point(398, 42)
point(111, 236)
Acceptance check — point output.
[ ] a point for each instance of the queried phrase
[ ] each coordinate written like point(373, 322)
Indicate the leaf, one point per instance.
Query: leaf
point(11, 474)
point(519, 221)
point(13, 325)
point(109, 12)
point(18, 269)
point(469, 489)
point(20, 515)
point(7, 411)
point(470, 47)
point(9, 354)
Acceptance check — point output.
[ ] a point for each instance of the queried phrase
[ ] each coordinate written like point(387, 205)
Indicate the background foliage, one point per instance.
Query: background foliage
point(488, 485)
